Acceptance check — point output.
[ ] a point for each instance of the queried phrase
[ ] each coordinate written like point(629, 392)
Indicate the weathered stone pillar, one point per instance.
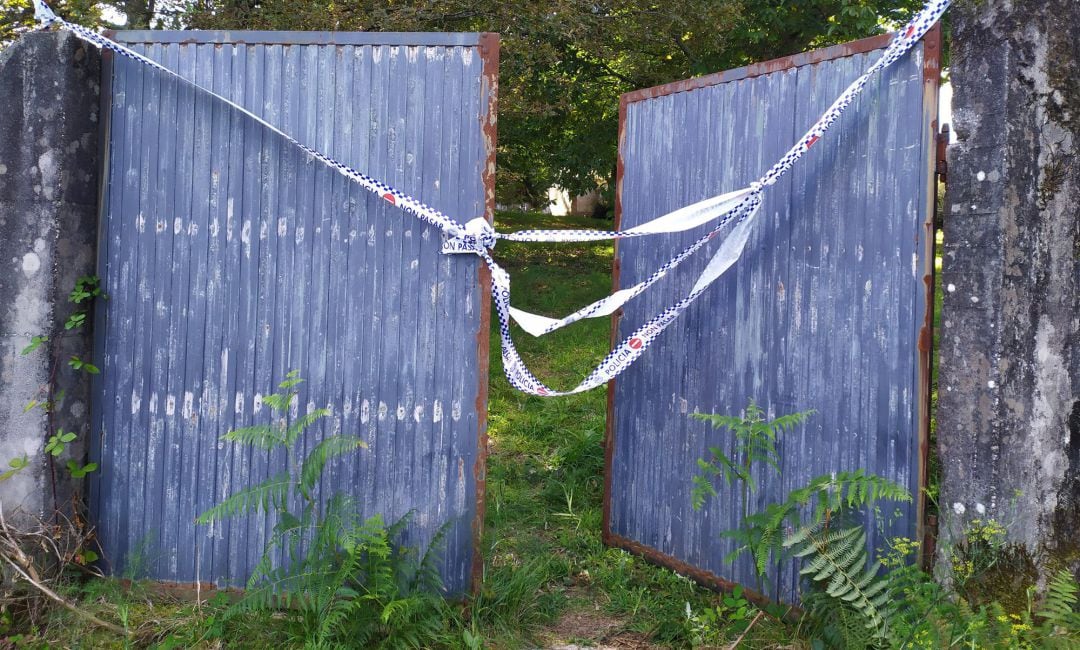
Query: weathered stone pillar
point(1009, 411)
point(48, 226)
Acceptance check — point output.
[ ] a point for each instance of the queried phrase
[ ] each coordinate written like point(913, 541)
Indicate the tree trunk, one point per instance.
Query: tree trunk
point(139, 13)
point(1008, 419)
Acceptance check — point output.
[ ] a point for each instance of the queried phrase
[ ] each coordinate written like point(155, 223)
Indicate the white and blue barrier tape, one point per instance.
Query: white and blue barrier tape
point(477, 237)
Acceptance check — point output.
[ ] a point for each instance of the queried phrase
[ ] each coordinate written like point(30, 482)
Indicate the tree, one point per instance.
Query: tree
point(564, 63)
point(17, 16)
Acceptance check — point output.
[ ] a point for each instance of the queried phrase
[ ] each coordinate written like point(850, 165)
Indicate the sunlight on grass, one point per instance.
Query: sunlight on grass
point(544, 554)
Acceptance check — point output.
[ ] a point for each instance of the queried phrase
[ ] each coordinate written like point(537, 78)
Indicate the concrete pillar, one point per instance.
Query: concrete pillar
point(48, 226)
point(1008, 419)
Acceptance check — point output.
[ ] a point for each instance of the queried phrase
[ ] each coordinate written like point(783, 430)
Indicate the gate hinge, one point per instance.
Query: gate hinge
point(942, 166)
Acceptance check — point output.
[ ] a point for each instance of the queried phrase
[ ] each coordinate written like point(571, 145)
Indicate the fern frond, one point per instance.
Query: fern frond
point(719, 421)
point(701, 491)
point(269, 494)
point(279, 402)
point(302, 423)
point(1061, 597)
point(263, 436)
point(1059, 608)
point(838, 560)
point(787, 423)
point(312, 468)
point(428, 578)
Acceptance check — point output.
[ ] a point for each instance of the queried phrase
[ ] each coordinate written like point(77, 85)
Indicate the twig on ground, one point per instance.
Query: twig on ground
point(743, 635)
point(59, 599)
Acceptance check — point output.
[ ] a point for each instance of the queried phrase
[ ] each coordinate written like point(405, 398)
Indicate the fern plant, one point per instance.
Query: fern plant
point(344, 580)
point(837, 560)
point(908, 609)
point(1061, 621)
point(846, 588)
point(755, 444)
point(755, 439)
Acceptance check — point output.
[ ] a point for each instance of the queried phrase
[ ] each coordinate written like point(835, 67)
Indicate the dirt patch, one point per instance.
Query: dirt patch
point(581, 629)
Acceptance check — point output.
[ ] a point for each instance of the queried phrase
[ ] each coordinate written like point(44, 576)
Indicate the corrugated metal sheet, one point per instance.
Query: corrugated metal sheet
point(231, 258)
point(824, 311)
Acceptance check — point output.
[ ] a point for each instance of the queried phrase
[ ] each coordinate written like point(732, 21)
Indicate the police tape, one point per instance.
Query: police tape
point(737, 209)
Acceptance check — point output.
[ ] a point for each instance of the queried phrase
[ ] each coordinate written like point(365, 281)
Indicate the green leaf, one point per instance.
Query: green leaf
point(80, 472)
point(16, 464)
point(35, 343)
point(75, 320)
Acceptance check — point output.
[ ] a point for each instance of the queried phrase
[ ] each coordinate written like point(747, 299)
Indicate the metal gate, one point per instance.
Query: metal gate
point(230, 258)
point(828, 309)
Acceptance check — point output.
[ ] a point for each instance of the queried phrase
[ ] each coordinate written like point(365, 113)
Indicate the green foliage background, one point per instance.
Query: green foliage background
point(564, 63)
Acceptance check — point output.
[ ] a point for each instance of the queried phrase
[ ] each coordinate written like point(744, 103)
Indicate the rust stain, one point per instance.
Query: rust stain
point(853, 48)
point(707, 578)
point(609, 423)
point(489, 61)
point(925, 345)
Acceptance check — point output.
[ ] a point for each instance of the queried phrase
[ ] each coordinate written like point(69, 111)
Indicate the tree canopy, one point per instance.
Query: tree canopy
point(563, 63)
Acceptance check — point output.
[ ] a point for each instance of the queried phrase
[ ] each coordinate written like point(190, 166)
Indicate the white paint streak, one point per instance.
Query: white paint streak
point(31, 263)
point(50, 173)
point(170, 405)
point(1049, 408)
point(436, 411)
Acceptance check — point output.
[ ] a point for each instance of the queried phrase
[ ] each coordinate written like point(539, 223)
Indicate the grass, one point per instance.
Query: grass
point(548, 578)
point(545, 472)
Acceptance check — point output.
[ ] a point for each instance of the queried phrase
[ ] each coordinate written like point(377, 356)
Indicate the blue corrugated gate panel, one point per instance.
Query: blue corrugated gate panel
point(824, 311)
point(231, 258)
